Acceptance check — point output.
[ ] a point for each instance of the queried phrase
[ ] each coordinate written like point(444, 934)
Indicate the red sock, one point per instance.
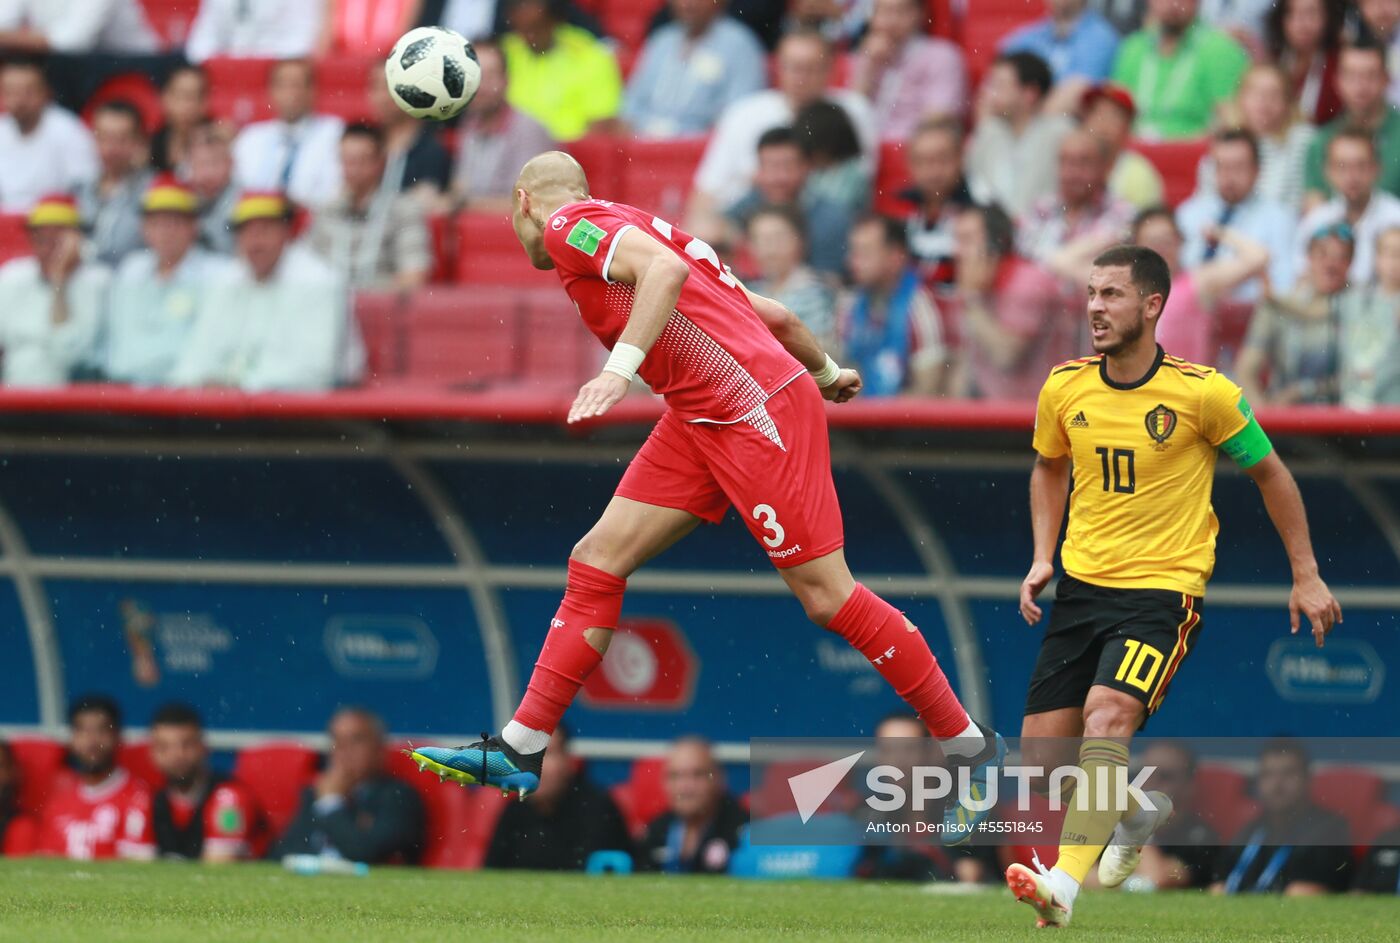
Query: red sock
point(592, 599)
point(901, 655)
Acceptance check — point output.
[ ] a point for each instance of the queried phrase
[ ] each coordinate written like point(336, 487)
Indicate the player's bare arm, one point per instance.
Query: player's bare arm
point(797, 338)
point(1310, 595)
point(657, 277)
point(1049, 495)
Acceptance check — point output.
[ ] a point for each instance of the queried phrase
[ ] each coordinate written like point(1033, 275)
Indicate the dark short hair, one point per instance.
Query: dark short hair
point(1147, 215)
point(824, 128)
point(1286, 746)
point(1001, 232)
point(366, 131)
point(182, 69)
point(1368, 44)
point(791, 215)
point(124, 108)
point(893, 232)
point(1181, 747)
point(1239, 136)
point(782, 136)
point(33, 63)
point(176, 714)
point(1148, 270)
point(96, 704)
point(1357, 134)
point(1030, 69)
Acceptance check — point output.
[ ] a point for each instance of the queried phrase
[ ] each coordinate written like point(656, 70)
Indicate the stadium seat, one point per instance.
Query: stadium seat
point(462, 338)
point(601, 156)
point(627, 20)
point(238, 89)
point(657, 175)
point(380, 317)
point(489, 254)
point(1379, 819)
point(14, 240)
point(135, 757)
point(484, 807)
point(642, 796)
point(276, 774)
point(557, 349)
point(1222, 799)
point(446, 810)
point(986, 22)
point(1176, 161)
point(171, 19)
point(442, 232)
point(39, 761)
point(21, 837)
point(1352, 793)
point(341, 81)
point(773, 796)
point(891, 180)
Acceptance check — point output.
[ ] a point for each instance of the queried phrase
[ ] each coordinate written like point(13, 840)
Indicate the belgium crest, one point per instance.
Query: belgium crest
point(1161, 423)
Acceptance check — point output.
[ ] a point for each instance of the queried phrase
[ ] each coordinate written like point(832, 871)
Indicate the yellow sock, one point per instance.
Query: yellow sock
point(1092, 814)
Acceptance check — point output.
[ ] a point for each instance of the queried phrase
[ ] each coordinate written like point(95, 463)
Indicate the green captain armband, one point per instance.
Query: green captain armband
point(1250, 445)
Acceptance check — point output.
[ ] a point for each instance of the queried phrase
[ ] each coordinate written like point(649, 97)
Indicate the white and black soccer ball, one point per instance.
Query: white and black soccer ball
point(432, 73)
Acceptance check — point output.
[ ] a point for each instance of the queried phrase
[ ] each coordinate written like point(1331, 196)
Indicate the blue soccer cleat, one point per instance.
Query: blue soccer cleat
point(959, 822)
point(488, 762)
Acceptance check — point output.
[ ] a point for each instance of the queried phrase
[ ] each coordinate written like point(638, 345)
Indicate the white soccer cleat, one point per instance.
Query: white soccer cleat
point(1121, 856)
point(1036, 889)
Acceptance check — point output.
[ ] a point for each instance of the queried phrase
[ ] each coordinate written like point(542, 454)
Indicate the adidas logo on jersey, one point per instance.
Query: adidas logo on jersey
point(1079, 421)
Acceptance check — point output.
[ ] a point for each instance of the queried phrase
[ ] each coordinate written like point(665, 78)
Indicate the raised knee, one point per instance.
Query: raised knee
point(821, 604)
point(590, 550)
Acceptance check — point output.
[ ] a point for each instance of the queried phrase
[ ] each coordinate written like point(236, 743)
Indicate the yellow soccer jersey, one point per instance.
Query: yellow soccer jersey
point(1144, 463)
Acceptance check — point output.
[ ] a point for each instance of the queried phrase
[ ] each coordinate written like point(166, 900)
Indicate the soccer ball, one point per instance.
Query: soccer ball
point(432, 73)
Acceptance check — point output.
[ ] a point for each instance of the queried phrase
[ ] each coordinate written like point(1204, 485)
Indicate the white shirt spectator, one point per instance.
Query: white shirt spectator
point(292, 332)
point(149, 320)
point(1012, 171)
point(1382, 213)
point(301, 160)
point(38, 353)
point(731, 158)
point(58, 156)
point(474, 19)
point(255, 29)
point(75, 26)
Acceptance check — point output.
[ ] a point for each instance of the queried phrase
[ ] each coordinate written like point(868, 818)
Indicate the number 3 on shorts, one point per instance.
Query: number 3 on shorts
point(765, 514)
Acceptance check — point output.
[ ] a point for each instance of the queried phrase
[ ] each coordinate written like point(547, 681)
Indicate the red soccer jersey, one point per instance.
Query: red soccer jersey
point(109, 820)
point(230, 816)
point(715, 361)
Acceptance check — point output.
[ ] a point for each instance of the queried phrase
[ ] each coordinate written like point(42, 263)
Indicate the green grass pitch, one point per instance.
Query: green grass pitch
point(96, 903)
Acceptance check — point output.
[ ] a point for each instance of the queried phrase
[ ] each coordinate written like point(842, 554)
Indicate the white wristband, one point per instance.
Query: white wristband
point(826, 375)
point(624, 361)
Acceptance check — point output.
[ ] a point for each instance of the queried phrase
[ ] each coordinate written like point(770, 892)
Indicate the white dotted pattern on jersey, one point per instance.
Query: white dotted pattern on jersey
point(732, 386)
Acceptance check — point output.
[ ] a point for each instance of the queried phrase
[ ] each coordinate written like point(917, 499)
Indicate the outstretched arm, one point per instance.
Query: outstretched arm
point(657, 276)
point(1310, 595)
point(797, 339)
point(1049, 494)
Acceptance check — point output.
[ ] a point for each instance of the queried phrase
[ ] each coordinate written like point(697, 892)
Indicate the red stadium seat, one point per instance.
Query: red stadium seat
point(1379, 819)
point(462, 338)
point(941, 19)
point(489, 254)
point(341, 81)
point(39, 762)
point(171, 19)
point(986, 22)
point(1222, 800)
point(381, 323)
point(442, 231)
point(276, 774)
point(891, 180)
point(642, 797)
point(627, 20)
point(136, 758)
point(1176, 161)
point(657, 175)
point(446, 811)
point(557, 349)
point(238, 89)
point(21, 837)
point(602, 157)
point(1352, 793)
point(14, 240)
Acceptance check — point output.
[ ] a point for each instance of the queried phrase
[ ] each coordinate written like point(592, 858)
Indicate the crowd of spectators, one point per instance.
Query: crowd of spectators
point(355, 808)
point(200, 253)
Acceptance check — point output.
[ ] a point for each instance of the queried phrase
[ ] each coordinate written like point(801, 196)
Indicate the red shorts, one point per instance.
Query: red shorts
point(774, 467)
